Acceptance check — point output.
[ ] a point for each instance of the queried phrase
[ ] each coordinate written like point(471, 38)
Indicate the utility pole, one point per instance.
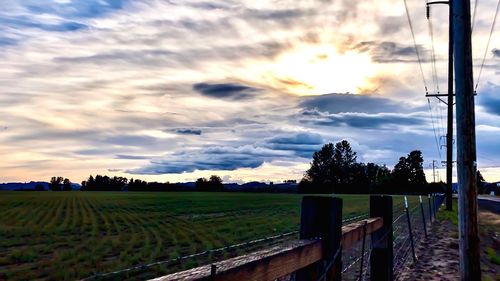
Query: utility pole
point(449, 103)
point(466, 143)
point(434, 170)
point(449, 133)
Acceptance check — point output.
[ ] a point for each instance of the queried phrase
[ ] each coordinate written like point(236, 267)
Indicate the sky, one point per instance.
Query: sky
point(248, 90)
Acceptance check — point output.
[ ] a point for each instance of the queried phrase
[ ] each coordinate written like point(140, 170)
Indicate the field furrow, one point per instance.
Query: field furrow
point(72, 235)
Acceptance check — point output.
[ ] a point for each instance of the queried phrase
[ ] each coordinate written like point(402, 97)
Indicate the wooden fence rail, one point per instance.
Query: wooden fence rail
point(278, 261)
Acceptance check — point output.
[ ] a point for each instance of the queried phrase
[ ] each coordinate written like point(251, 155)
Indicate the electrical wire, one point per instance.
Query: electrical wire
point(433, 56)
point(474, 16)
point(416, 46)
point(487, 45)
point(443, 119)
point(434, 128)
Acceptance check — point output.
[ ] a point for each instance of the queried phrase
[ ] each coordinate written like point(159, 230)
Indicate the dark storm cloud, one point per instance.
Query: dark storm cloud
point(96, 151)
point(277, 15)
point(26, 22)
point(391, 52)
point(302, 144)
point(362, 120)
point(132, 157)
point(210, 158)
point(185, 58)
point(489, 98)
point(392, 24)
point(225, 90)
point(189, 131)
point(115, 170)
point(131, 140)
point(76, 8)
point(285, 146)
point(337, 103)
point(48, 133)
point(143, 57)
point(207, 6)
point(6, 41)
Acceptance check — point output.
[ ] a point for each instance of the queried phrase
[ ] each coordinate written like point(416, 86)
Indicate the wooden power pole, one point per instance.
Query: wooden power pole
point(434, 170)
point(449, 103)
point(449, 132)
point(466, 142)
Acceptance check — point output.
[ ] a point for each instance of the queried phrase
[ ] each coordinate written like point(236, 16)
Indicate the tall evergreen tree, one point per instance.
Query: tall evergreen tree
point(344, 159)
point(409, 169)
point(321, 170)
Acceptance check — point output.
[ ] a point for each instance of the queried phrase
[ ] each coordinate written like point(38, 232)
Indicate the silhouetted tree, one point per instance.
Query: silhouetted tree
point(416, 164)
point(321, 170)
point(216, 183)
point(409, 172)
point(201, 184)
point(343, 160)
point(213, 184)
point(335, 168)
point(480, 183)
point(55, 183)
point(104, 183)
point(67, 185)
point(401, 171)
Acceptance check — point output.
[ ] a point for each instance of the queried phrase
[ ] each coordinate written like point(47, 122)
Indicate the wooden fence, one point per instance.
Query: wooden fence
point(317, 254)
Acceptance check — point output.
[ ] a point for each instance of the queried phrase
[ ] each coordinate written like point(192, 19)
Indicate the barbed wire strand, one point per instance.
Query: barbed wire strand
point(239, 245)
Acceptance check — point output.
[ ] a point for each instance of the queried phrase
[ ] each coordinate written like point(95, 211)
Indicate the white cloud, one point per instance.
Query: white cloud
point(85, 82)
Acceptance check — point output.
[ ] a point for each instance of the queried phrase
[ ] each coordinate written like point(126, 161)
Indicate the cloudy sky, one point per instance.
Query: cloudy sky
point(173, 90)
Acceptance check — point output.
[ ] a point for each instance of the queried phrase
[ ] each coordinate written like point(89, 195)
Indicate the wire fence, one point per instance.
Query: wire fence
point(410, 228)
point(356, 261)
point(153, 269)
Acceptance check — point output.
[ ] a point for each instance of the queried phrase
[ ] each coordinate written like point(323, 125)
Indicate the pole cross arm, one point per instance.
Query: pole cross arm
point(438, 2)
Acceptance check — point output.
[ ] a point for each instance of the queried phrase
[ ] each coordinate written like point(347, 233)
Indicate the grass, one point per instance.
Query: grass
point(72, 235)
point(493, 256)
point(488, 228)
point(451, 216)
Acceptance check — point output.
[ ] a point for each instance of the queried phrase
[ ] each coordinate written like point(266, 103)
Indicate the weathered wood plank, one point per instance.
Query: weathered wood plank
point(354, 232)
point(275, 262)
point(267, 264)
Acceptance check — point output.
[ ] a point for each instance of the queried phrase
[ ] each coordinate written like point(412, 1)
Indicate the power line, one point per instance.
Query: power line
point(434, 129)
point(443, 126)
point(415, 44)
point(433, 56)
point(474, 15)
point(487, 45)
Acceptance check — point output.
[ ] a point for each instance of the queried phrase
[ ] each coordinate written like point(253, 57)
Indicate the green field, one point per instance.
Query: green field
point(73, 235)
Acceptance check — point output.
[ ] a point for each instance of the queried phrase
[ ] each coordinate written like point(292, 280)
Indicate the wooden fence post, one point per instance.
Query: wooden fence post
point(321, 217)
point(381, 260)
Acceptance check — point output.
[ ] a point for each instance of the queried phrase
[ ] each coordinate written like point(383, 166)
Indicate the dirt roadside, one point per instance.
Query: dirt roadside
point(438, 256)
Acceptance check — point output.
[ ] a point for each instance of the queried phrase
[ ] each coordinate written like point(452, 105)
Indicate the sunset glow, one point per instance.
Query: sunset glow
point(174, 90)
point(320, 69)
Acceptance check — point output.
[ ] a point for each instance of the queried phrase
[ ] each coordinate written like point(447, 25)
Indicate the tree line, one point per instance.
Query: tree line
point(58, 184)
point(335, 169)
point(106, 183)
